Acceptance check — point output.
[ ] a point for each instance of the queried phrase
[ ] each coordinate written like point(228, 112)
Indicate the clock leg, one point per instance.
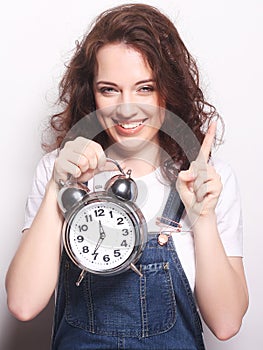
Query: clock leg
point(134, 268)
point(81, 276)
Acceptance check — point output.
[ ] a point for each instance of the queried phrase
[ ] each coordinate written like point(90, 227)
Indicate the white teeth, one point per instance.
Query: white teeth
point(130, 125)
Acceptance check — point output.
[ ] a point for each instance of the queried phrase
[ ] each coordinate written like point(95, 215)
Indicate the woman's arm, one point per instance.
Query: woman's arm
point(220, 288)
point(33, 272)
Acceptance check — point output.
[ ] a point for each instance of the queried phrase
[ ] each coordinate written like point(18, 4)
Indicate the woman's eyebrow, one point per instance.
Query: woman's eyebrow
point(114, 84)
point(105, 83)
point(145, 81)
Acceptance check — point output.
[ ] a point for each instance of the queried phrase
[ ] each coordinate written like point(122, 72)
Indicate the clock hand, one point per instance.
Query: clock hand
point(101, 238)
point(102, 232)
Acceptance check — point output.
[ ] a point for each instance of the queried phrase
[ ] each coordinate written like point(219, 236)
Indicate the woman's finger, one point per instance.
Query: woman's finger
point(205, 150)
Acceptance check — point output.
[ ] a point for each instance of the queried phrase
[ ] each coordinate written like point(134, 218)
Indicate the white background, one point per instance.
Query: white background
point(36, 40)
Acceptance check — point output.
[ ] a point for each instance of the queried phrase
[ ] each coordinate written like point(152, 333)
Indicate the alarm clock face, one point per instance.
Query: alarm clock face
point(103, 235)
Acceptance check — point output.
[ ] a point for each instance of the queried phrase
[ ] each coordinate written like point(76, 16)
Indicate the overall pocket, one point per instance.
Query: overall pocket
point(124, 305)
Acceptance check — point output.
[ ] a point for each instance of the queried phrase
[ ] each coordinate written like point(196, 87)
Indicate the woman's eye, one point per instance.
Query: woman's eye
point(146, 89)
point(108, 90)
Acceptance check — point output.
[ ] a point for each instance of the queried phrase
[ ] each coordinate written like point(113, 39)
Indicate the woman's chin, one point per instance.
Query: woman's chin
point(132, 145)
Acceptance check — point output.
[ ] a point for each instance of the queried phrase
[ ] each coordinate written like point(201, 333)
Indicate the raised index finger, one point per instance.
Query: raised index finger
point(207, 143)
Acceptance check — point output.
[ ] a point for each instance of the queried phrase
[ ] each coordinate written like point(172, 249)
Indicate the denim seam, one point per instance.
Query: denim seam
point(171, 306)
point(121, 343)
point(69, 318)
point(195, 318)
point(172, 294)
point(144, 306)
point(90, 304)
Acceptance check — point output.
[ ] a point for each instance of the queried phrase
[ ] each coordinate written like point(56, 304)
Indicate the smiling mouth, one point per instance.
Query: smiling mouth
point(131, 125)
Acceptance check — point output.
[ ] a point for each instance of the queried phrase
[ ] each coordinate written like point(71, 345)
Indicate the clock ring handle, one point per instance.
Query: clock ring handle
point(116, 163)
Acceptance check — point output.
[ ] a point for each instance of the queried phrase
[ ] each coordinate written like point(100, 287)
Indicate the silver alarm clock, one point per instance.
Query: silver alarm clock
point(104, 232)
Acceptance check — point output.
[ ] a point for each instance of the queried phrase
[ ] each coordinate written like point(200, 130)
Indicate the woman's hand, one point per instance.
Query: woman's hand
point(79, 158)
point(200, 186)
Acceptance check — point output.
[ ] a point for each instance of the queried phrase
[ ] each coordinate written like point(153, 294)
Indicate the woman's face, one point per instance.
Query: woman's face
point(127, 102)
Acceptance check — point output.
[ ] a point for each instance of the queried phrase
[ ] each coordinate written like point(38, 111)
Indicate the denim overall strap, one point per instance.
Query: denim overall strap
point(173, 209)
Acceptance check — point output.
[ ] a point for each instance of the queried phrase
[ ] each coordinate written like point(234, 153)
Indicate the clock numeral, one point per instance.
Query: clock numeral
point(83, 228)
point(88, 217)
point(120, 221)
point(117, 253)
point(106, 258)
point(95, 255)
point(111, 214)
point(124, 243)
point(85, 249)
point(125, 232)
point(80, 238)
point(99, 212)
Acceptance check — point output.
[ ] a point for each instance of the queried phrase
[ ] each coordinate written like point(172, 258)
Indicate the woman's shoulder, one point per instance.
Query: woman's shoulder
point(47, 160)
point(45, 166)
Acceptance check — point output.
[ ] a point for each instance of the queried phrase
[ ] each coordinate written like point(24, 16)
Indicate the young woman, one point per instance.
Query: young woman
point(131, 92)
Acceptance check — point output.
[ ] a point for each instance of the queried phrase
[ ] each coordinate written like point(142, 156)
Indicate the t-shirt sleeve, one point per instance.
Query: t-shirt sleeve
point(229, 212)
point(41, 177)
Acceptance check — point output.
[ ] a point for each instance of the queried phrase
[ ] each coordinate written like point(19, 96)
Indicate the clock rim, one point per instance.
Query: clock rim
point(139, 224)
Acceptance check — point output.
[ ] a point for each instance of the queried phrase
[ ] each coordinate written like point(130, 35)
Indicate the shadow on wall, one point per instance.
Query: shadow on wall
point(32, 335)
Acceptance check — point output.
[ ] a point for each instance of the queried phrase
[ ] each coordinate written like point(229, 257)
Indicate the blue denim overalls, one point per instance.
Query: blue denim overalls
point(156, 311)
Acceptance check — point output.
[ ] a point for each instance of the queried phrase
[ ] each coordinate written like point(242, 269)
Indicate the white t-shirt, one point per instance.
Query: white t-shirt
point(153, 192)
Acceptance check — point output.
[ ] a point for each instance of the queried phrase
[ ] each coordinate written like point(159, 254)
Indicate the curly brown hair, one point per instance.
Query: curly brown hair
point(152, 33)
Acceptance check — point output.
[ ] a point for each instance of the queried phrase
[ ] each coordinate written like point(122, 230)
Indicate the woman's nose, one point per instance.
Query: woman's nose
point(127, 105)
point(127, 110)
